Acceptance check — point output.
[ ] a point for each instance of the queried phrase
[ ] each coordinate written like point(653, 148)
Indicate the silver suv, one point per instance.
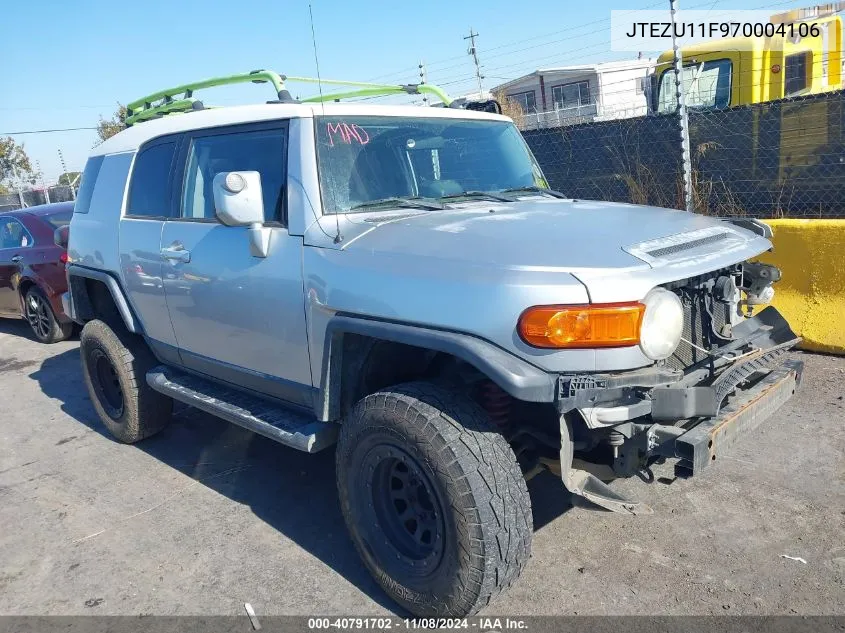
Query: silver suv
point(399, 284)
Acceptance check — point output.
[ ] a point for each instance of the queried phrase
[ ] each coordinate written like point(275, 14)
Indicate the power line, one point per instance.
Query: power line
point(65, 129)
point(567, 30)
point(457, 80)
point(42, 108)
point(463, 79)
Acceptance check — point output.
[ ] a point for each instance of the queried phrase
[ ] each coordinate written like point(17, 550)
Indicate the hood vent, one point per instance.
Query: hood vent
point(685, 246)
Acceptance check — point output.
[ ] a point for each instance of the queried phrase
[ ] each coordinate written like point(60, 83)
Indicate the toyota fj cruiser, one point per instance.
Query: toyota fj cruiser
point(400, 284)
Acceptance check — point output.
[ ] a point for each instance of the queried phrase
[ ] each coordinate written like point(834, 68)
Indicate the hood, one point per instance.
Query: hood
point(591, 238)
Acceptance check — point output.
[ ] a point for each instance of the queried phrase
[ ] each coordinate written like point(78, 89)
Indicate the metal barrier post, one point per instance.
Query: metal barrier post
point(682, 111)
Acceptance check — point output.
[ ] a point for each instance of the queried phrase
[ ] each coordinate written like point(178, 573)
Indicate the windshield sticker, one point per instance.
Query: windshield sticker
point(348, 134)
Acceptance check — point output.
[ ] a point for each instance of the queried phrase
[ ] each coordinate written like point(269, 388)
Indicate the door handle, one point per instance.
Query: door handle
point(17, 258)
point(176, 254)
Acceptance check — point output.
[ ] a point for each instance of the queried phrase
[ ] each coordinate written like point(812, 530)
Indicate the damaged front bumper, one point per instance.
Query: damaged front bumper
point(699, 446)
point(692, 416)
point(663, 393)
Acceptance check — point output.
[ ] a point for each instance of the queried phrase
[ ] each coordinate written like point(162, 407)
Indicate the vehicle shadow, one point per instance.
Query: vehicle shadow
point(19, 327)
point(16, 327)
point(269, 478)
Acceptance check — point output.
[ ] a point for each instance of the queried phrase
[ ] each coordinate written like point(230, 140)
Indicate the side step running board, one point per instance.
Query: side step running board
point(251, 412)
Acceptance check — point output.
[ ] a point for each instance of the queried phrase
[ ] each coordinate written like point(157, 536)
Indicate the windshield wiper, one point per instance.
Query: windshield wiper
point(402, 203)
point(484, 195)
point(535, 189)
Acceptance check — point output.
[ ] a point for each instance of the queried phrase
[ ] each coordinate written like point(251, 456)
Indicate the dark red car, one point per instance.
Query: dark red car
point(32, 269)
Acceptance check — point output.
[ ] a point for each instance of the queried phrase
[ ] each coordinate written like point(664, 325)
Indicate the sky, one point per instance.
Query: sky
point(65, 64)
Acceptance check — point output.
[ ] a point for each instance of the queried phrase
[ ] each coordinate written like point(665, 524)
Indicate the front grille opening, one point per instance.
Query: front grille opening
point(705, 319)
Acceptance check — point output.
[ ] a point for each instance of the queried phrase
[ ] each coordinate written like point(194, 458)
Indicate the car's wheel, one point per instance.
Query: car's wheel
point(115, 367)
point(41, 318)
point(434, 499)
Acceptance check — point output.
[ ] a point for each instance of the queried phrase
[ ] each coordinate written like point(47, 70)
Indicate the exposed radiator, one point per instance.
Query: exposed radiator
point(696, 330)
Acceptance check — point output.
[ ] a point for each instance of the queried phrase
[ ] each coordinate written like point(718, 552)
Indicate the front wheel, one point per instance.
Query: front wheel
point(434, 499)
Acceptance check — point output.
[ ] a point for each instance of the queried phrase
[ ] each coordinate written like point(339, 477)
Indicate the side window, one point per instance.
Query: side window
point(13, 234)
point(526, 100)
point(86, 187)
point(795, 72)
point(261, 150)
point(150, 184)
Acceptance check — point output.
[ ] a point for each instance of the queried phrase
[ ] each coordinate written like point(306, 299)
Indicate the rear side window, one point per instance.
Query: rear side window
point(86, 187)
point(58, 220)
point(150, 186)
point(13, 234)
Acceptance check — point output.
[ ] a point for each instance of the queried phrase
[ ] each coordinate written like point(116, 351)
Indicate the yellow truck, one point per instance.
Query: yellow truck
point(779, 144)
point(723, 73)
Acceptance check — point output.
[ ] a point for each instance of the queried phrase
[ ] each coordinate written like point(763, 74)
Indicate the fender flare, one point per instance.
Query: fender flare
point(82, 303)
point(517, 377)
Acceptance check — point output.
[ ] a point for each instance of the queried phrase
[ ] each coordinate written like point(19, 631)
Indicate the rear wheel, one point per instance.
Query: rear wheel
point(115, 368)
point(41, 318)
point(434, 499)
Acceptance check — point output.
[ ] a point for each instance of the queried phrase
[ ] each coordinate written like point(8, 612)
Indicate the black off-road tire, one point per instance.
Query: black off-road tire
point(41, 318)
point(115, 365)
point(480, 511)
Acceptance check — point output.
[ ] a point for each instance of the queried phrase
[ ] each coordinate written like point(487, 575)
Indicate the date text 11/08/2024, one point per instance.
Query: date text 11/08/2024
point(485, 624)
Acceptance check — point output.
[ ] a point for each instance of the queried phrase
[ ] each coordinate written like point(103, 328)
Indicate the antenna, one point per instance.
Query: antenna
point(316, 60)
point(338, 238)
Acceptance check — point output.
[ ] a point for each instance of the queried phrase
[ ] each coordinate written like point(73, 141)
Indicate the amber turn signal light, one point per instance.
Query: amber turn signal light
point(580, 326)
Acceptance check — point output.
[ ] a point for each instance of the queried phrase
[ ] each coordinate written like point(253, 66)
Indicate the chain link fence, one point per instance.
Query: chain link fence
point(577, 115)
point(781, 158)
point(775, 159)
point(34, 197)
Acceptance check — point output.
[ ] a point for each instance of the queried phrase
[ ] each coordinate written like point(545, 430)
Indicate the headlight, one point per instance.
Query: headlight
point(663, 324)
point(582, 326)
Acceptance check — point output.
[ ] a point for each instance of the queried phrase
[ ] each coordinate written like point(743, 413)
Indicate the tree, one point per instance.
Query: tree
point(70, 178)
point(14, 164)
point(511, 108)
point(107, 128)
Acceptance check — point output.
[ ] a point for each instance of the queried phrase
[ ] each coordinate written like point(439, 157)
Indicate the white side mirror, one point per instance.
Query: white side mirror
point(237, 198)
point(238, 202)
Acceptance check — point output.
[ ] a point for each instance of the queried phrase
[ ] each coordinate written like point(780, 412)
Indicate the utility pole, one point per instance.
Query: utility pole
point(41, 180)
point(682, 111)
point(62, 161)
point(423, 80)
point(67, 175)
point(18, 187)
point(472, 50)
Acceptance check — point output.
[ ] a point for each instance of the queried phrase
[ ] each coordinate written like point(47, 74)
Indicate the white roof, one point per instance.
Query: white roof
point(134, 136)
point(602, 67)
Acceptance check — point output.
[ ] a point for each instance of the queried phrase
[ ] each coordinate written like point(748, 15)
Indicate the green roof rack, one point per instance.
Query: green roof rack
point(181, 98)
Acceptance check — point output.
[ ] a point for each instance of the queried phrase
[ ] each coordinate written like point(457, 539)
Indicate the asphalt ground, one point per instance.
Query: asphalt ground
point(207, 516)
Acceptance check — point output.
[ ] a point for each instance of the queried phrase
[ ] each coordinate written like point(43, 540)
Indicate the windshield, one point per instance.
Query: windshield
point(706, 85)
point(368, 159)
